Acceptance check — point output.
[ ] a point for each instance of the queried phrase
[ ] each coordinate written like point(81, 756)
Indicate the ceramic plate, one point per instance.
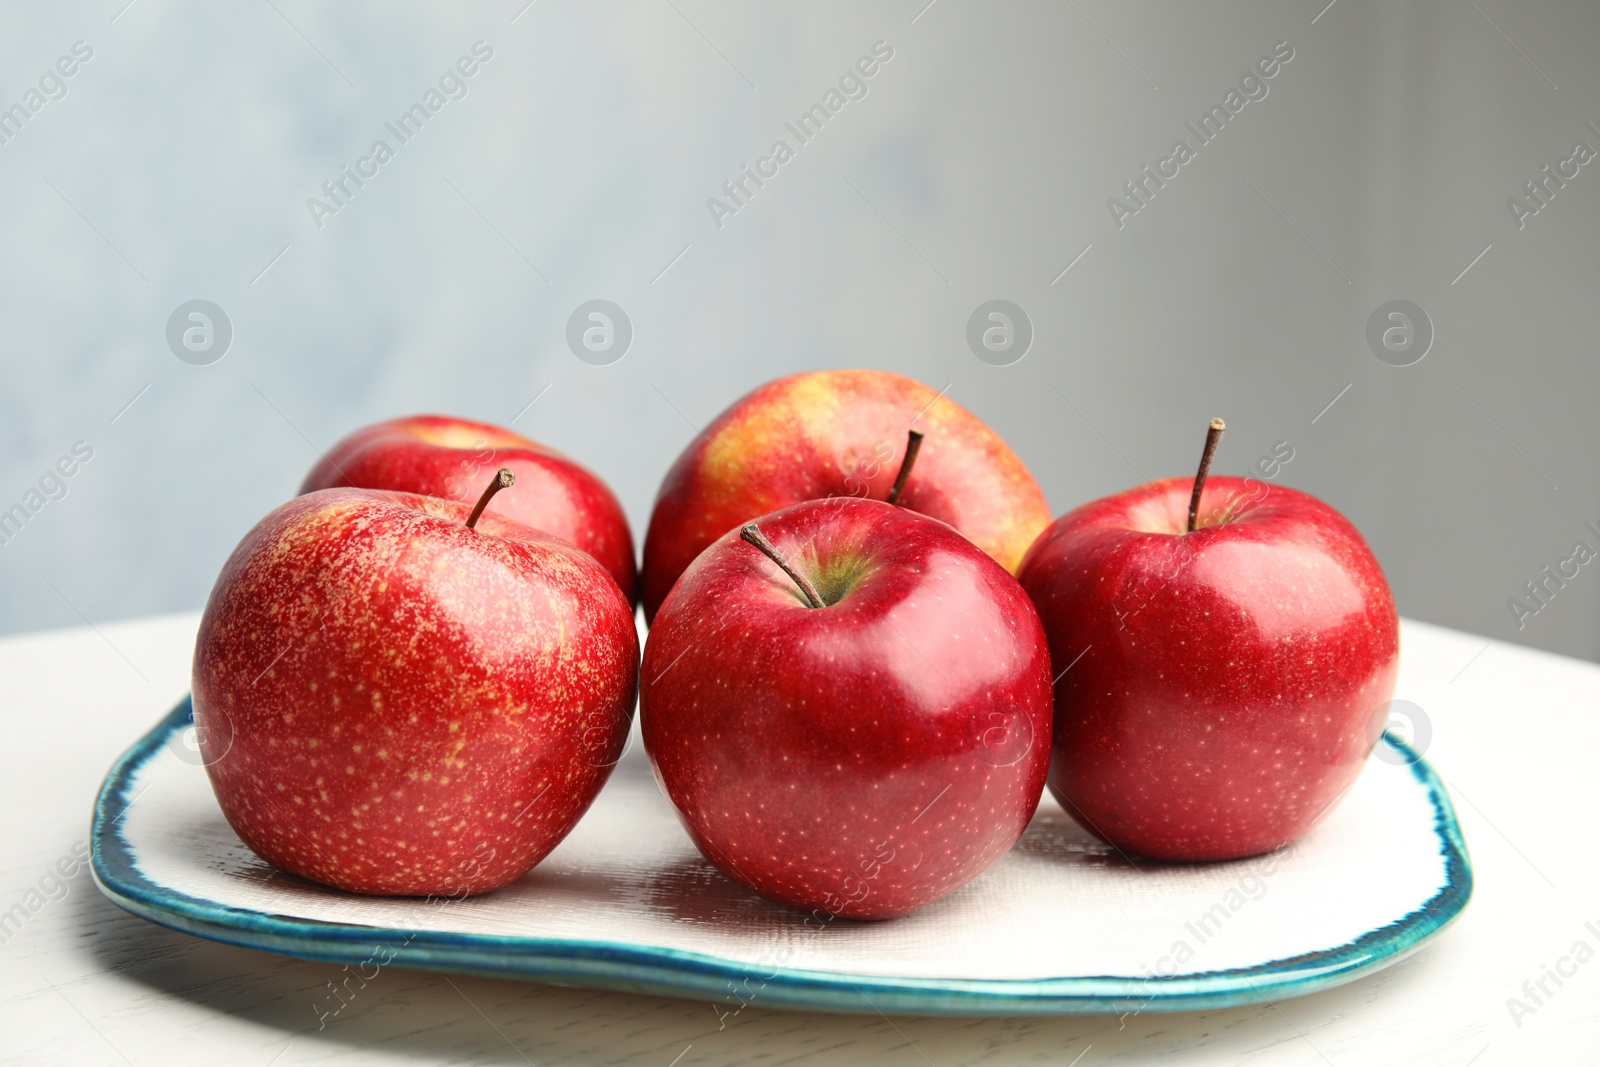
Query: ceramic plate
point(1061, 925)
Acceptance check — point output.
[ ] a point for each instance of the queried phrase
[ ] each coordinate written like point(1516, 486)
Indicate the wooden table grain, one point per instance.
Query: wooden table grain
point(1515, 733)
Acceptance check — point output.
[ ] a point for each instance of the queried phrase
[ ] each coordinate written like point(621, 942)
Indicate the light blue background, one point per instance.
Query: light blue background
point(978, 167)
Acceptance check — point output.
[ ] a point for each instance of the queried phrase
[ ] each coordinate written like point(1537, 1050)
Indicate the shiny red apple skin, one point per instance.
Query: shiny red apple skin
point(453, 458)
point(840, 433)
point(1221, 689)
point(391, 703)
point(861, 759)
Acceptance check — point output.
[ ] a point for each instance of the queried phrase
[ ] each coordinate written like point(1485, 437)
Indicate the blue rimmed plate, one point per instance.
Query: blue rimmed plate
point(1060, 926)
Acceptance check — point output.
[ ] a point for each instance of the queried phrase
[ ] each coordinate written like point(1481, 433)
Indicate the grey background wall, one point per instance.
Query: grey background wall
point(176, 163)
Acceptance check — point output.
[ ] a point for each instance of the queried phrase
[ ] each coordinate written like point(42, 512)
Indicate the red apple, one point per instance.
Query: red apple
point(866, 756)
point(390, 701)
point(452, 458)
point(839, 433)
point(1220, 687)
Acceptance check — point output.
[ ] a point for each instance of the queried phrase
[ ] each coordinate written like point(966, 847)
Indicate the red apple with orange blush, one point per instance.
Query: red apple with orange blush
point(839, 433)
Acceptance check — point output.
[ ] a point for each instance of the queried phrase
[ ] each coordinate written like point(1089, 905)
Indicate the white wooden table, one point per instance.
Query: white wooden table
point(1516, 733)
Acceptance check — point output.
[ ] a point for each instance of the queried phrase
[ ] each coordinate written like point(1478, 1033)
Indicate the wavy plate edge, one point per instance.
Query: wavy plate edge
point(674, 973)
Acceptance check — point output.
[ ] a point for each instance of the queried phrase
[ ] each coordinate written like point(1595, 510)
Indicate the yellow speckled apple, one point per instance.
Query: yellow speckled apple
point(420, 699)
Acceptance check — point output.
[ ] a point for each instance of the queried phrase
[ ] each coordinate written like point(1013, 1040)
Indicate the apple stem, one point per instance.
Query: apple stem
point(1213, 436)
point(751, 534)
point(913, 444)
point(502, 478)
